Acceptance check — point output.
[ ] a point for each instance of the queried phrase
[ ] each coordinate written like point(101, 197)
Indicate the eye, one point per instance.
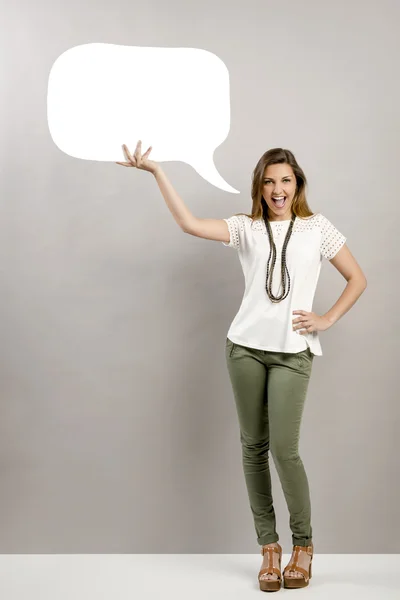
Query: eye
point(268, 181)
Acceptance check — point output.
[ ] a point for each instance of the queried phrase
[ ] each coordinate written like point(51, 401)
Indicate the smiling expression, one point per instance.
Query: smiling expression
point(279, 181)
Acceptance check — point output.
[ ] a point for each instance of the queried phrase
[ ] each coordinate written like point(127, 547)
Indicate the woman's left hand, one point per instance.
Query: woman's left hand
point(307, 322)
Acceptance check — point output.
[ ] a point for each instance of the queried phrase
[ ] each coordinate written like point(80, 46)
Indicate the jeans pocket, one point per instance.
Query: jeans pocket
point(230, 347)
point(304, 358)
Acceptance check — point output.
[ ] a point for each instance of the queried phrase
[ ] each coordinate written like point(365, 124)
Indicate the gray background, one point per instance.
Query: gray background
point(118, 427)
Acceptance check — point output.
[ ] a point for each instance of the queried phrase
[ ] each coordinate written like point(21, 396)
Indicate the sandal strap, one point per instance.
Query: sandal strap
point(309, 549)
point(299, 569)
point(293, 564)
point(270, 549)
point(270, 571)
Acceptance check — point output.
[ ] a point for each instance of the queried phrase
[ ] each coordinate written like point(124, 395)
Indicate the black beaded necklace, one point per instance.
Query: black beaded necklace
point(284, 269)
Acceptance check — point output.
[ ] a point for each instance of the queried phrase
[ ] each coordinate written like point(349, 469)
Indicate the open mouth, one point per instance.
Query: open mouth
point(280, 202)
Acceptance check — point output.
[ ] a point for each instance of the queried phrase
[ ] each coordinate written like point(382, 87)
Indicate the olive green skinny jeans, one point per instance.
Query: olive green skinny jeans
point(270, 389)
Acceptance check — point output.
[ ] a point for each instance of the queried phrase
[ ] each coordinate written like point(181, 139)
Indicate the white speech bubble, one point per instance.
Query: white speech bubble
point(176, 100)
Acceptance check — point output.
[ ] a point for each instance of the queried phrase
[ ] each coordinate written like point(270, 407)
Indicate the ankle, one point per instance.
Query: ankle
point(271, 544)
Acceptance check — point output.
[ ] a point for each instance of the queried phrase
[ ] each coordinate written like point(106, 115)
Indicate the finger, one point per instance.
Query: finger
point(306, 331)
point(124, 164)
point(308, 327)
point(145, 155)
point(138, 149)
point(302, 320)
point(127, 153)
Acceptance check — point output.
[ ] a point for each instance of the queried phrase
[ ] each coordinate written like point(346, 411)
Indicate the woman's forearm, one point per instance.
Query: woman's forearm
point(176, 205)
point(353, 290)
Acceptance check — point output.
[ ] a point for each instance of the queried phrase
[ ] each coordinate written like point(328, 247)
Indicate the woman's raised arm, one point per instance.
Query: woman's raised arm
point(211, 229)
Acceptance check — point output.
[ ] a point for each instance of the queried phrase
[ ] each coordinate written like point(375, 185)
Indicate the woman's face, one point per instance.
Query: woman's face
point(279, 180)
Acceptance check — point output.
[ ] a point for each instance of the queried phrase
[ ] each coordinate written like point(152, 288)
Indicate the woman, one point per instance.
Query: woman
point(273, 339)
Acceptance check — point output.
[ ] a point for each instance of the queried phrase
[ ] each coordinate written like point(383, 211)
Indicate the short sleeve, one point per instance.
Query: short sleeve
point(236, 231)
point(331, 239)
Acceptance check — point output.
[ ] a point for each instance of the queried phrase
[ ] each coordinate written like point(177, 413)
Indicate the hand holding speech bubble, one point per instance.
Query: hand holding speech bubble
point(177, 99)
point(139, 160)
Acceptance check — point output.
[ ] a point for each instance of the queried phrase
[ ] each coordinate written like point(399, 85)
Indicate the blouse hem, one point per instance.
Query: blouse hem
point(269, 349)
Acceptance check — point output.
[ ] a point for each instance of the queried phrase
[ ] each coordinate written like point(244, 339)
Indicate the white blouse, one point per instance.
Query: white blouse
point(267, 325)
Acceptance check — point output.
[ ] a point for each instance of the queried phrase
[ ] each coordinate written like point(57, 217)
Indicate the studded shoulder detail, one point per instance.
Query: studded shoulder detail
point(236, 225)
point(331, 240)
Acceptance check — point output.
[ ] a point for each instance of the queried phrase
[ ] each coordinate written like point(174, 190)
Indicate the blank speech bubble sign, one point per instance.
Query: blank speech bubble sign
point(176, 100)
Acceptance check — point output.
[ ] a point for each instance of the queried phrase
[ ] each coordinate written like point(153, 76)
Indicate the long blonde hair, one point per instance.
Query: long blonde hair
point(274, 156)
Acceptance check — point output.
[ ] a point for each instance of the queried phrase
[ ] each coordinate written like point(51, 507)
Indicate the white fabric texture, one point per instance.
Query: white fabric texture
point(261, 323)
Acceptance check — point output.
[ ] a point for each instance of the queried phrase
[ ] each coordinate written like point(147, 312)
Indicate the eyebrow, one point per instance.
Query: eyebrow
point(274, 179)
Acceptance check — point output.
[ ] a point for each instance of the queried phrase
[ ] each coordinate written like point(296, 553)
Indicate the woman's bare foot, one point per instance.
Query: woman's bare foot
point(265, 561)
point(303, 561)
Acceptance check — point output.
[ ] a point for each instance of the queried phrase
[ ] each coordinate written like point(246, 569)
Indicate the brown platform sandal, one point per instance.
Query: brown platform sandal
point(298, 582)
point(271, 585)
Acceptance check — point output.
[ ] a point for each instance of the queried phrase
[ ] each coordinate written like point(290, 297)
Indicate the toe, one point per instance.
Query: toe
point(268, 576)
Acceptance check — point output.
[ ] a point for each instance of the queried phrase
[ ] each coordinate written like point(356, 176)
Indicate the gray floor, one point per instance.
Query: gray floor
point(187, 576)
